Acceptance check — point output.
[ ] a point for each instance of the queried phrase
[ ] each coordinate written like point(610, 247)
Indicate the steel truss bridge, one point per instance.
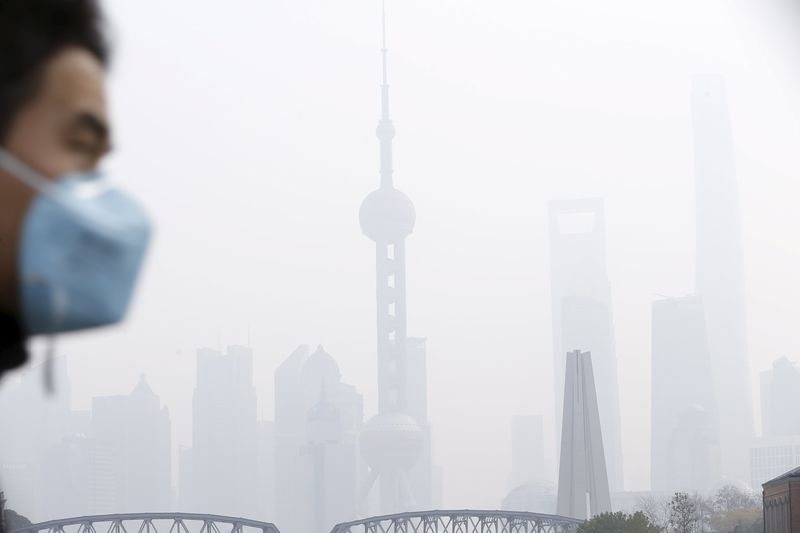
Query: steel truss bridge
point(464, 521)
point(151, 523)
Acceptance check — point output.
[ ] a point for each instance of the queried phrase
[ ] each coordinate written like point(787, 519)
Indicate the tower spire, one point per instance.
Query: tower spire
point(385, 131)
point(384, 52)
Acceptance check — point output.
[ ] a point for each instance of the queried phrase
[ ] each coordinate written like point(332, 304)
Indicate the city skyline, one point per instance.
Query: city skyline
point(484, 212)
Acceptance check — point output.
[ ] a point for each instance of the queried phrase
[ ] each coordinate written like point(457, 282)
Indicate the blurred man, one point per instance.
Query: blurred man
point(71, 245)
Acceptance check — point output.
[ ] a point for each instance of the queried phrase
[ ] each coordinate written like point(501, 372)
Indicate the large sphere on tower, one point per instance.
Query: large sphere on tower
point(391, 441)
point(387, 215)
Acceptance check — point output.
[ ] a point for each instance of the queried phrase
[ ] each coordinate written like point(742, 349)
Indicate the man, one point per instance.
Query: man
point(70, 245)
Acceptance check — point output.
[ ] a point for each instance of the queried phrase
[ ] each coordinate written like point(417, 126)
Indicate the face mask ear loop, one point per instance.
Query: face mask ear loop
point(59, 300)
point(22, 172)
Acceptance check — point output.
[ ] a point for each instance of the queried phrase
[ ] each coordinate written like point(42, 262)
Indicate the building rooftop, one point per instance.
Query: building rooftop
point(793, 473)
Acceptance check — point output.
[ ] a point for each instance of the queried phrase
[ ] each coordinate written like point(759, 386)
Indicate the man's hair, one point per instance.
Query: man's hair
point(31, 33)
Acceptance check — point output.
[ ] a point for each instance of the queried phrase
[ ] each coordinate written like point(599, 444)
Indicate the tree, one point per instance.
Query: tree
point(14, 520)
point(736, 511)
point(683, 514)
point(656, 509)
point(619, 523)
point(731, 498)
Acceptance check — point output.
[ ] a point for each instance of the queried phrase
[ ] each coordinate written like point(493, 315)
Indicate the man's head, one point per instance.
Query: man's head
point(53, 113)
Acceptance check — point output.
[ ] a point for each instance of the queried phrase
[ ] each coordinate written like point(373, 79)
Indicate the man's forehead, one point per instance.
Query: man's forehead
point(74, 80)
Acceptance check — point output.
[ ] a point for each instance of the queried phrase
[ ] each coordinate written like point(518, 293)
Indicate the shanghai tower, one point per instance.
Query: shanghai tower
point(720, 271)
point(396, 442)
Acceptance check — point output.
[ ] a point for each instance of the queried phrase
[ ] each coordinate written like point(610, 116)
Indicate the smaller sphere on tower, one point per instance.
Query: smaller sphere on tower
point(391, 441)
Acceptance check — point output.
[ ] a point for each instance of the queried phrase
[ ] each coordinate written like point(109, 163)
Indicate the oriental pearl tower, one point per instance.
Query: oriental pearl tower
point(392, 441)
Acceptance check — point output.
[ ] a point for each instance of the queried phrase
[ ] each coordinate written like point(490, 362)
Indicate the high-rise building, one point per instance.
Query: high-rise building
point(396, 442)
point(772, 456)
point(533, 497)
point(317, 424)
point(527, 450)
point(581, 313)
point(224, 453)
point(130, 454)
point(583, 489)
point(35, 428)
point(68, 469)
point(291, 490)
point(780, 408)
point(266, 471)
point(684, 428)
point(720, 271)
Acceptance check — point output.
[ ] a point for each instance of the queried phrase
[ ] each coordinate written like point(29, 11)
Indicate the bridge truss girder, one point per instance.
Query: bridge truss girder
point(151, 523)
point(466, 521)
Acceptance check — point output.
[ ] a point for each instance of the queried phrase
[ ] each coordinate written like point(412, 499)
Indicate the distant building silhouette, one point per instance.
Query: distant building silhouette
point(130, 453)
point(396, 442)
point(317, 424)
point(582, 480)
point(720, 270)
point(778, 450)
point(527, 450)
point(684, 424)
point(267, 471)
point(224, 455)
point(37, 430)
point(581, 313)
point(772, 456)
point(534, 497)
point(780, 408)
point(290, 427)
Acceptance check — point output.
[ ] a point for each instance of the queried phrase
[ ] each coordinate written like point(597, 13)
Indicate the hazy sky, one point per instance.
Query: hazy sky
point(248, 129)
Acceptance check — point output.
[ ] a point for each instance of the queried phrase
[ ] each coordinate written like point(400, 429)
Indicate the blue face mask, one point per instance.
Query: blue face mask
point(81, 249)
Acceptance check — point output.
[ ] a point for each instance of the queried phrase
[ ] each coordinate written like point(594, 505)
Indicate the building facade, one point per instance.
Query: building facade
point(224, 455)
point(130, 453)
point(781, 497)
point(684, 423)
point(527, 450)
point(780, 410)
point(720, 271)
point(318, 419)
point(772, 456)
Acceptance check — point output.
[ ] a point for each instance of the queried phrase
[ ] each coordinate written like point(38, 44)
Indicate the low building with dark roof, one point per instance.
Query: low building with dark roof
point(782, 503)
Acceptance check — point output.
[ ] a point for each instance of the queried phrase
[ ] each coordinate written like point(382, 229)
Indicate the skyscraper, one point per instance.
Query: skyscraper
point(224, 434)
point(684, 424)
point(318, 419)
point(291, 491)
point(780, 407)
point(582, 480)
point(40, 427)
point(130, 454)
point(720, 270)
point(527, 450)
point(396, 441)
point(771, 456)
point(581, 313)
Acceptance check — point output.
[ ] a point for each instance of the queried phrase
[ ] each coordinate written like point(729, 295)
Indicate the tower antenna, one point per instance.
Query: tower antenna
point(385, 129)
point(384, 53)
